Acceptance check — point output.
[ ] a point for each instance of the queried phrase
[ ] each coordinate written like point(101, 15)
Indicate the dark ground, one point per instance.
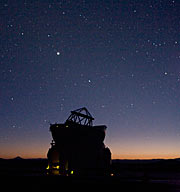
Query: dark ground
point(128, 175)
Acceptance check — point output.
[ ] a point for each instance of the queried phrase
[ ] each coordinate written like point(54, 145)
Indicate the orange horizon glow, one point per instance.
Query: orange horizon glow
point(163, 150)
point(158, 149)
point(144, 157)
point(114, 156)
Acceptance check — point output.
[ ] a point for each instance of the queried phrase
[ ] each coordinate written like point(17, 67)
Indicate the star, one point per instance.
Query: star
point(121, 61)
point(175, 42)
point(58, 53)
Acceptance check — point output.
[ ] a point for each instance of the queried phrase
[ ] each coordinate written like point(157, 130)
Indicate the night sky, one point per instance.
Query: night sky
point(118, 58)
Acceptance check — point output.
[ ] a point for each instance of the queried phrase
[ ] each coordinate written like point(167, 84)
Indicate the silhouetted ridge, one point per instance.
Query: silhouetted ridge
point(18, 158)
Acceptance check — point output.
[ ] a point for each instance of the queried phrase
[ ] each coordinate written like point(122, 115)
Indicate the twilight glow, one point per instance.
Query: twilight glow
point(120, 59)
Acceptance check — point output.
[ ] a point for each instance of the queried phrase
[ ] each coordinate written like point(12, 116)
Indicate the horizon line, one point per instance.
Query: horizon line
point(125, 159)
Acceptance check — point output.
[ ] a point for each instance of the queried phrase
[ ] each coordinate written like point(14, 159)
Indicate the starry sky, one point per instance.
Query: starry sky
point(118, 58)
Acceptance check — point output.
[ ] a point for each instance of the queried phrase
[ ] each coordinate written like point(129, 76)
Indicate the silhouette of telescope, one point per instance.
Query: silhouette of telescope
point(78, 146)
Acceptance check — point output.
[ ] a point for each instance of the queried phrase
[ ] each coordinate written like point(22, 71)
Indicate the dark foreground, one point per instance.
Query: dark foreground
point(51, 183)
point(30, 174)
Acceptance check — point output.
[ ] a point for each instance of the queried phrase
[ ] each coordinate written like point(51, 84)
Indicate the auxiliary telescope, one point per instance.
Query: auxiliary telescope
point(78, 147)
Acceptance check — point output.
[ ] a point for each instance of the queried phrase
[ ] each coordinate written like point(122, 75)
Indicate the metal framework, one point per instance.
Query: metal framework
point(81, 116)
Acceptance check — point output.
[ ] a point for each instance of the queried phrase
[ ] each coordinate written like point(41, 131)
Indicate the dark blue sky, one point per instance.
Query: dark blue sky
point(120, 59)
